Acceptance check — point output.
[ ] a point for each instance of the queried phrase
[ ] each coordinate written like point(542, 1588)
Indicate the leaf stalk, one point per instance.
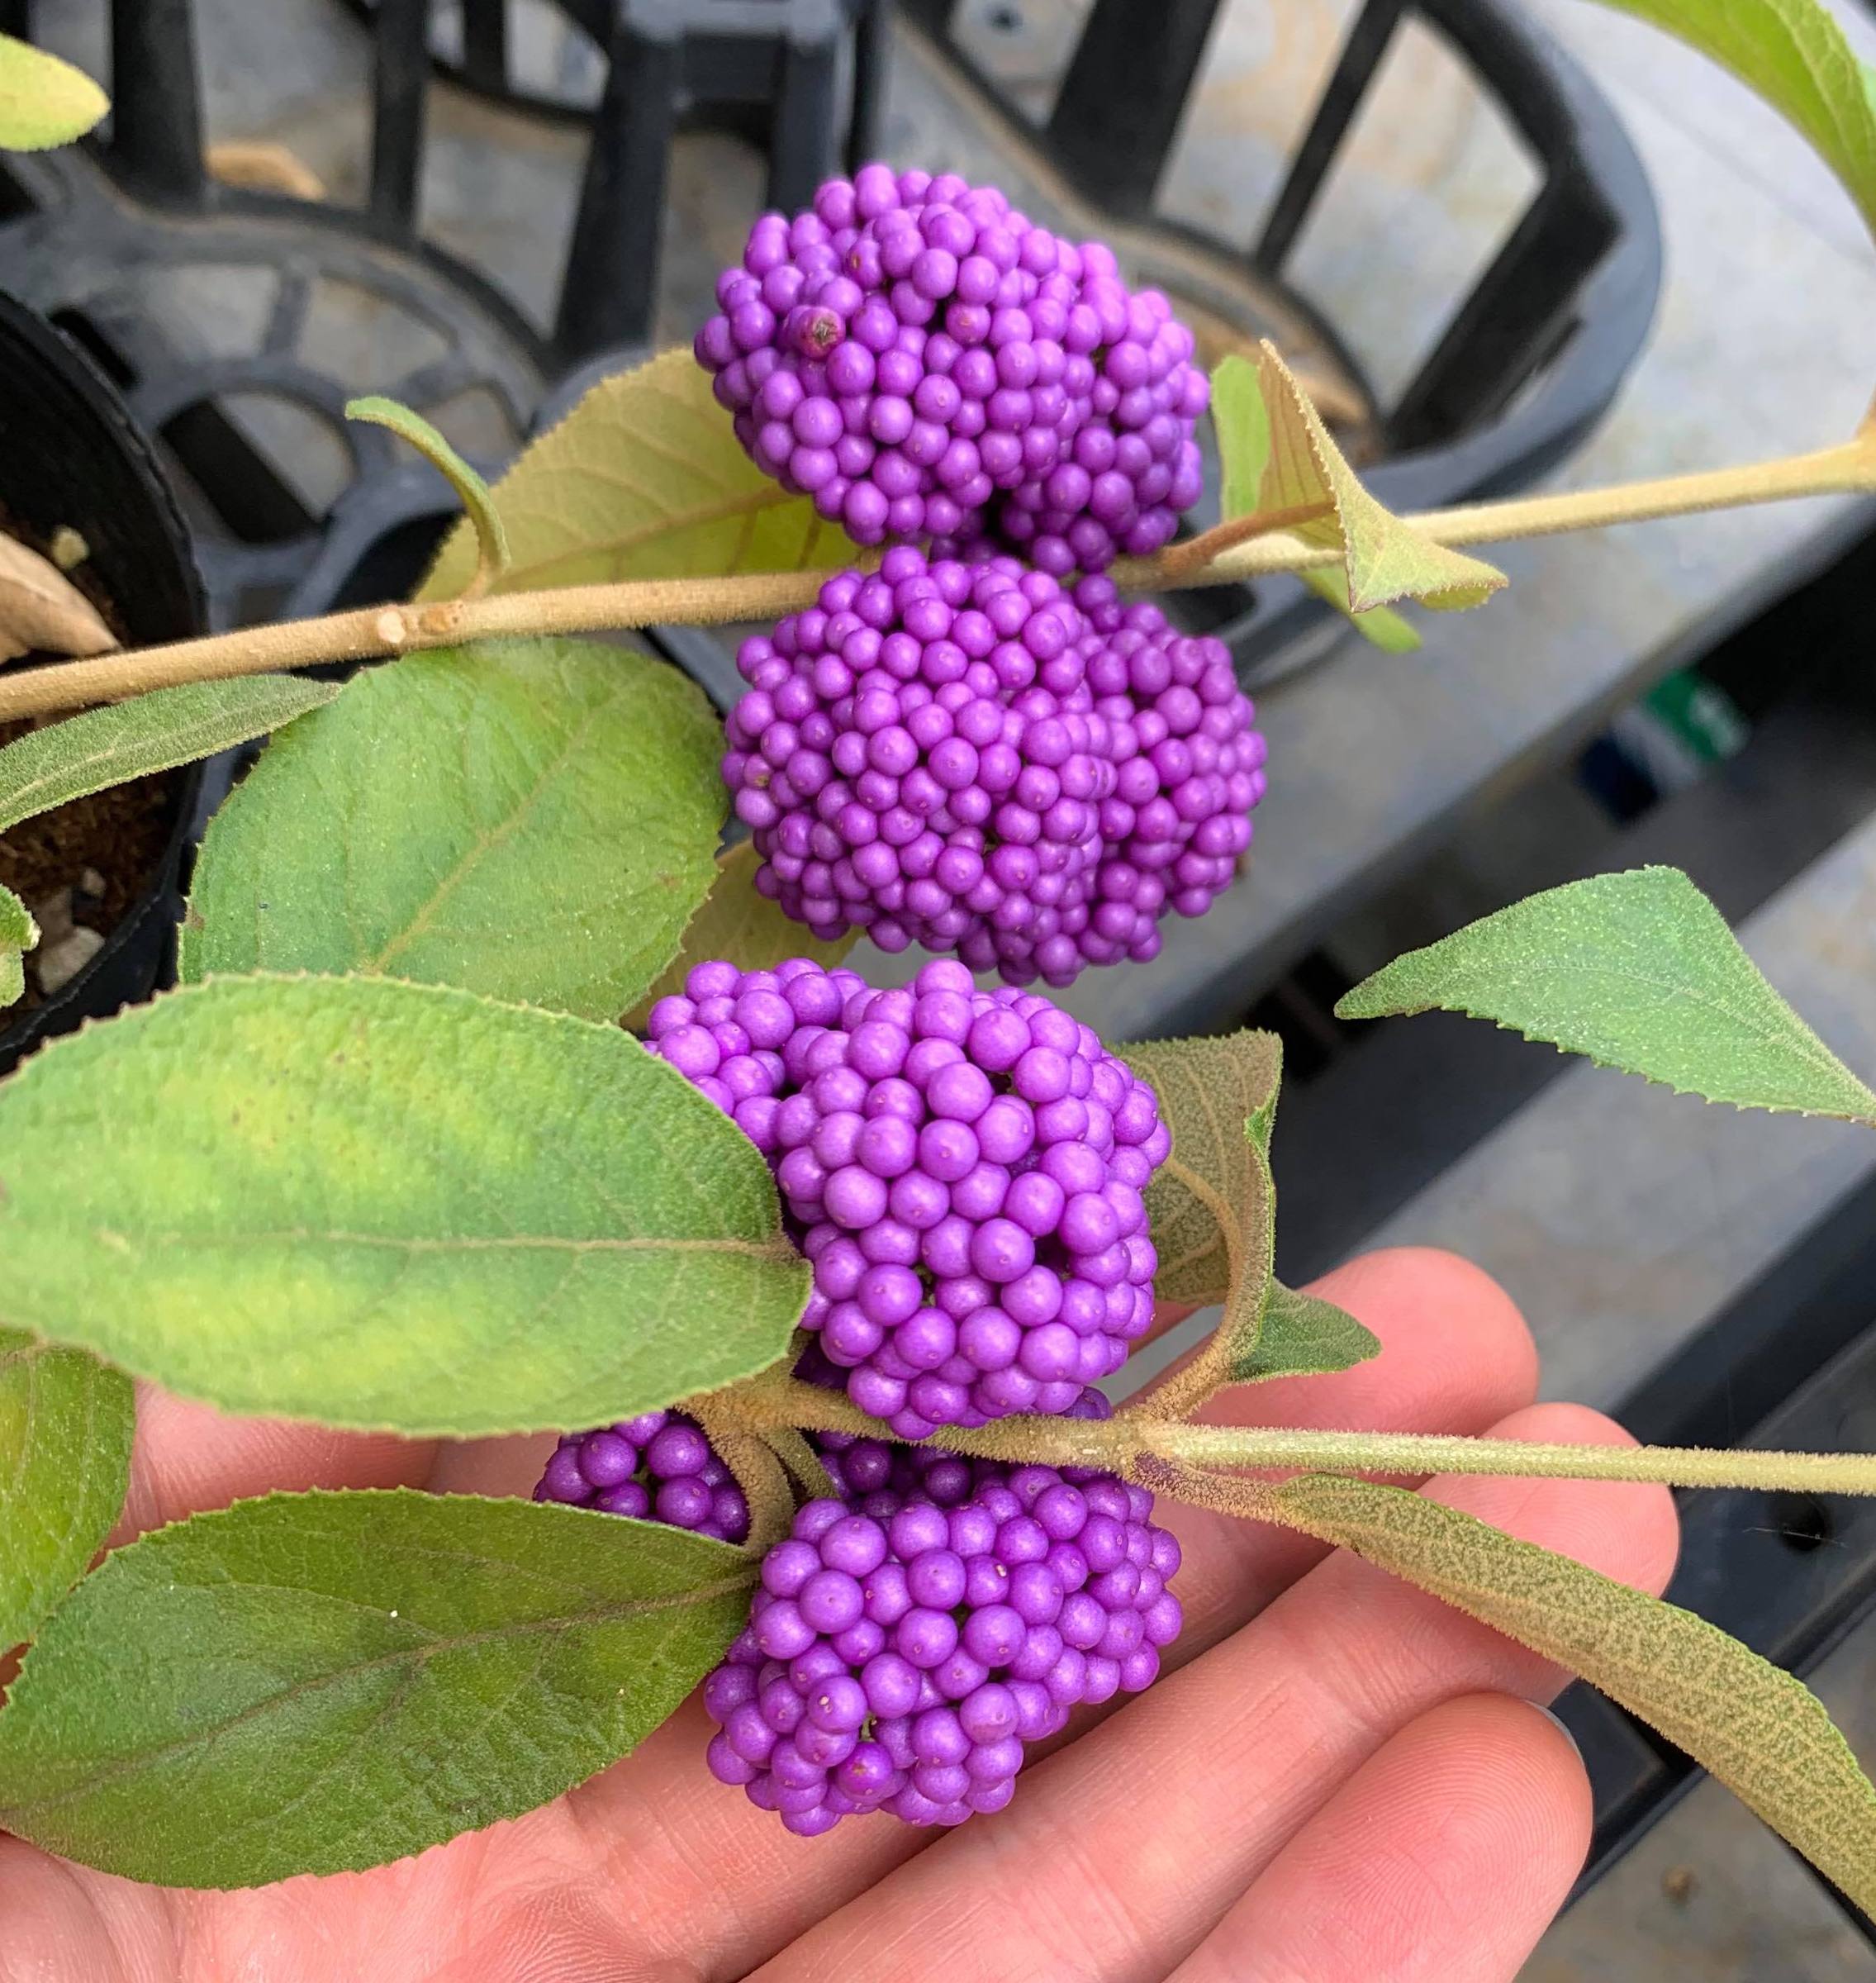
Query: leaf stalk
point(1139, 1446)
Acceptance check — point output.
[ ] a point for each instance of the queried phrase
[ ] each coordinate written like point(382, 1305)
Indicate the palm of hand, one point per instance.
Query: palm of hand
point(1338, 1778)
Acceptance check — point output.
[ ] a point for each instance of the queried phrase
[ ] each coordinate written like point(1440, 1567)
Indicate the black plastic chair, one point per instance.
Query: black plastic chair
point(86, 234)
point(1530, 357)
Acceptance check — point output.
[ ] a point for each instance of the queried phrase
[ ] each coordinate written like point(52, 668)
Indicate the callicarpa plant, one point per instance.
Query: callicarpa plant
point(499, 1098)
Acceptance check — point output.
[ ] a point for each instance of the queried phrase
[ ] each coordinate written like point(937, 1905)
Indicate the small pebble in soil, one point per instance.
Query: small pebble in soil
point(55, 965)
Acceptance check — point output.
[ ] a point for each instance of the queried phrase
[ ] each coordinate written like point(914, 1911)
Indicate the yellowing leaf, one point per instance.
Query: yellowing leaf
point(384, 1204)
point(1794, 53)
point(491, 541)
point(1763, 1733)
point(44, 102)
point(1280, 463)
point(644, 479)
point(40, 607)
point(1638, 971)
point(737, 922)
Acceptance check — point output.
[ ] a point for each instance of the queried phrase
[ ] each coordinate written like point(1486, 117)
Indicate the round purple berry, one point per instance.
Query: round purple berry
point(981, 1621)
point(981, 376)
point(965, 1170)
point(658, 1467)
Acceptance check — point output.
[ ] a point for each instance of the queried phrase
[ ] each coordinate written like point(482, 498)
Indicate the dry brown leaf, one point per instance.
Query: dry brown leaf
point(258, 165)
point(40, 607)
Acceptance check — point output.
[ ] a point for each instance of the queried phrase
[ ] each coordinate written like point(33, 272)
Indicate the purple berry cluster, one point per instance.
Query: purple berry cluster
point(964, 756)
point(1189, 768)
point(908, 1641)
point(927, 363)
point(964, 1169)
point(659, 1467)
point(918, 755)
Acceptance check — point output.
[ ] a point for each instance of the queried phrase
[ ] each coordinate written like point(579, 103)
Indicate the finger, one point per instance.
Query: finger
point(1120, 1854)
point(1444, 1858)
point(188, 1456)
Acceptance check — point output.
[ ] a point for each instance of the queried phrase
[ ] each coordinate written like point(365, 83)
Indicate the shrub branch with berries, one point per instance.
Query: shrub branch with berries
point(818, 1282)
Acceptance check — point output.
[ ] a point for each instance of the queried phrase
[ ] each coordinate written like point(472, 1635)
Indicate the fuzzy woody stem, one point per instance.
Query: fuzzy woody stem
point(1119, 1445)
point(369, 632)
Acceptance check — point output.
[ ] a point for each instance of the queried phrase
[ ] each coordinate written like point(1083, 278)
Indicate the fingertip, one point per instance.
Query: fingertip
point(1438, 1301)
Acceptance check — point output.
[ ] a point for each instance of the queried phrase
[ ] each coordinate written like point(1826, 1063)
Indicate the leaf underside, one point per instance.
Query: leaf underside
point(319, 1682)
point(1209, 1205)
point(154, 732)
point(1759, 1731)
point(484, 518)
point(373, 1204)
point(1794, 53)
point(1639, 971)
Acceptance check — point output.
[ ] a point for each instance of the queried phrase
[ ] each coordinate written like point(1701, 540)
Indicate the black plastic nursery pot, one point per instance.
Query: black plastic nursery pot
point(71, 459)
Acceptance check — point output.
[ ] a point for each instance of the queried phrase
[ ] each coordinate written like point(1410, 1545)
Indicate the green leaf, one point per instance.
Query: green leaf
point(1638, 971)
point(1242, 421)
point(1380, 626)
point(492, 539)
point(1796, 56)
point(1302, 1336)
point(18, 934)
point(1210, 1205)
point(44, 102)
point(533, 820)
point(645, 478)
point(1759, 1731)
point(377, 1203)
point(1279, 463)
point(310, 1683)
point(66, 1422)
point(166, 727)
point(737, 922)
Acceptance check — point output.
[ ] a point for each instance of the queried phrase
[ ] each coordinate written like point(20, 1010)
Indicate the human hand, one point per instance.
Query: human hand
point(1337, 1778)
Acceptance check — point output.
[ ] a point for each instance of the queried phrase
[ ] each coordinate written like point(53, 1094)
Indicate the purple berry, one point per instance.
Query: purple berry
point(658, 1467)
point(985, 377)
point(963, 1168)
point(978, 1622)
